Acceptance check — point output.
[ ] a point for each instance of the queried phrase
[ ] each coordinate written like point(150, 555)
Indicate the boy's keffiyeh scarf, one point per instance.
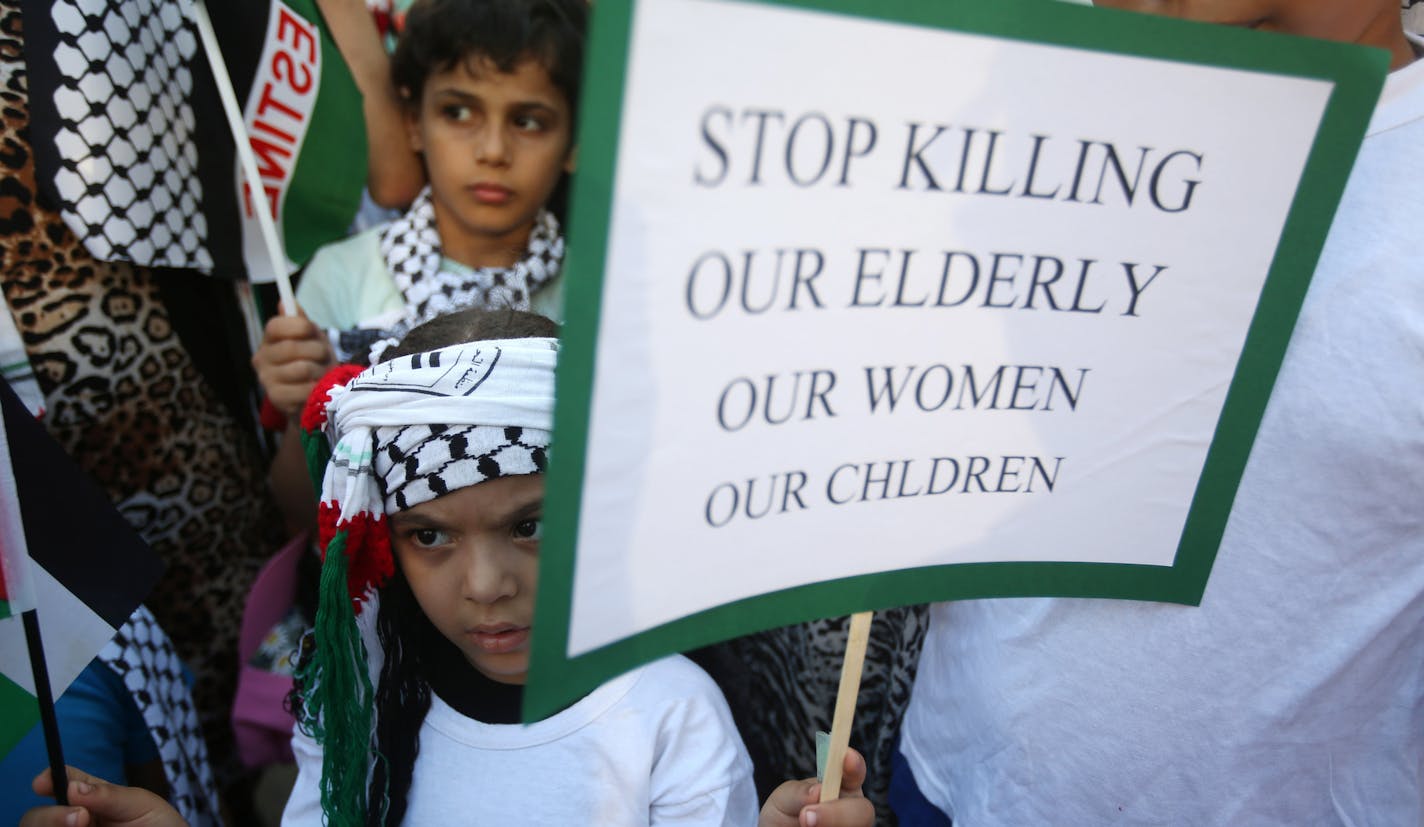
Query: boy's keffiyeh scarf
point(411, 248)
point(379, 441)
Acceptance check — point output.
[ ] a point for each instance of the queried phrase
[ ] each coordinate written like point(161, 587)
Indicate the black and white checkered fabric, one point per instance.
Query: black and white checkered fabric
point(358, 345)
point(418, 463)
point(128, 178)
point(142, 655)
point(410, 246)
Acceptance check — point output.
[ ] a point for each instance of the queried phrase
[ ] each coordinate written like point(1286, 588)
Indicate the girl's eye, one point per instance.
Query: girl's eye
point(532, 529)
point(429, 537)
point(529, 123)
point(455, 112)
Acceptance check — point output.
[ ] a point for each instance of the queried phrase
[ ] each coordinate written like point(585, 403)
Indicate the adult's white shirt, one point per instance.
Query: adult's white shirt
point(1295, 694)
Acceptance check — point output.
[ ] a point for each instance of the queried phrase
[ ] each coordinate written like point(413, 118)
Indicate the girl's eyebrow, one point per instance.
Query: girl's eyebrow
point(406, 518)
point(525, 511)
point(522, 511)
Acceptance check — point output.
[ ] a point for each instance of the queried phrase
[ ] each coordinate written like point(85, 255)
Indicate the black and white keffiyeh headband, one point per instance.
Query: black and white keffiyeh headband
point(414, 428)
point(419, 426)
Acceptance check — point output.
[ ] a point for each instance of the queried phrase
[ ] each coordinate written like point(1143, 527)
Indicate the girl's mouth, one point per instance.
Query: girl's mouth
point(500, 639)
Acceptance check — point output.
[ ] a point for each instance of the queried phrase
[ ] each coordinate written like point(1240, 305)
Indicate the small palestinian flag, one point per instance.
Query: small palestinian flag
point(131, 141)
point(87, 568)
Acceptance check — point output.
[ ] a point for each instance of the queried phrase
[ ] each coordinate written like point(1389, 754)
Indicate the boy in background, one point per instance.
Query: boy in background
point(1295, 693)
point(490, 90)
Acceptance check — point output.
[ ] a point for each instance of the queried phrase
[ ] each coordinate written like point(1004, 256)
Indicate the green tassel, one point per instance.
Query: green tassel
point(318, 454)
point(338, 702)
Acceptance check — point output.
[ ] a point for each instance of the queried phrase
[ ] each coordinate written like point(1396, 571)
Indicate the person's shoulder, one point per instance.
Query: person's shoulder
point(676, 675)
point(346, 281)
point(676, 691)
point(364, 244)
point(700, 772)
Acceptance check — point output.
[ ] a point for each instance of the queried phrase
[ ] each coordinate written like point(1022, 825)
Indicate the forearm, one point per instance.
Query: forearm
point(394, 173)
point(291, 483)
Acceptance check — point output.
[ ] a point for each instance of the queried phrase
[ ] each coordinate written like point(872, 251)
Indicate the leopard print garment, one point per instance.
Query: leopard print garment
point(125, 400)
point(782, 684)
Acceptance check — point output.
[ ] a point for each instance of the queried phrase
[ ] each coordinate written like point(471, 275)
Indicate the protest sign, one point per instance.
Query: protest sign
point(882, 303)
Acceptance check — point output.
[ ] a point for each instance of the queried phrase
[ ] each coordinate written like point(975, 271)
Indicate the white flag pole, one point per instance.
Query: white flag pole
point(246, 158)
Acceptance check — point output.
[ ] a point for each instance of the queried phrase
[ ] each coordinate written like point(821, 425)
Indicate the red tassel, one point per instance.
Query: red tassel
point(314, 412)
point(368, 549)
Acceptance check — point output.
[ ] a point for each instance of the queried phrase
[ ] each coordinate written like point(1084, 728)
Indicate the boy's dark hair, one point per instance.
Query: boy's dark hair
point(406, 634)
point(440, 33)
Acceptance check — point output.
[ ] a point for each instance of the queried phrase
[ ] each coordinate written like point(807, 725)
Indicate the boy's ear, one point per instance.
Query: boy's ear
point(571, 161)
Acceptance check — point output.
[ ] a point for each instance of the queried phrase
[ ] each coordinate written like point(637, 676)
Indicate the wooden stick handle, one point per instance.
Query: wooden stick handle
point(845, 703)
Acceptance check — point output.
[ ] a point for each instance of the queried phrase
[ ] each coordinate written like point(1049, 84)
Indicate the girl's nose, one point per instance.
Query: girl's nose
point(488, 578)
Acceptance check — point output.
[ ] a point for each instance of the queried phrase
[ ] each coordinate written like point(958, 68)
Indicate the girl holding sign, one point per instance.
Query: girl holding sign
point(431, 512)
point(432, 469)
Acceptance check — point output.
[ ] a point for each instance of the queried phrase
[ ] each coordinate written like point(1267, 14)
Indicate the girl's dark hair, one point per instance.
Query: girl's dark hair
point(472, 325)
point(440, 33)
point(406, 634)
point(402, 698)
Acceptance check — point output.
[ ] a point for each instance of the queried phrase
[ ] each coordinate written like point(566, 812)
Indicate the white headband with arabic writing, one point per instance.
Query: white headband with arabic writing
point(419, 426)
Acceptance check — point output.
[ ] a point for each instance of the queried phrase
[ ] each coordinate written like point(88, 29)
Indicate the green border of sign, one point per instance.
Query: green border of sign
point(1358, 75)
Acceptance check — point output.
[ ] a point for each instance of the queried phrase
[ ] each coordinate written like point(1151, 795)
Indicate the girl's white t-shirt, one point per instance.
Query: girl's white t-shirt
point(655, 746)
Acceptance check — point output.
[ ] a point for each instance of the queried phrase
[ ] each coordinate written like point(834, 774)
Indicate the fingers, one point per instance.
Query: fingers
point(290, 328)
point(43, 784)
point(850, 809)
point(113, 804)
point(288, 386)
point(289, 396)
point(852, 774)
point(285, 338)
point(843, 812)
point(786, 801)
point(296, 372)
point(797, 802)
point(293, 355)
point(80, 783)
point(281, 351)
point(56, 817)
